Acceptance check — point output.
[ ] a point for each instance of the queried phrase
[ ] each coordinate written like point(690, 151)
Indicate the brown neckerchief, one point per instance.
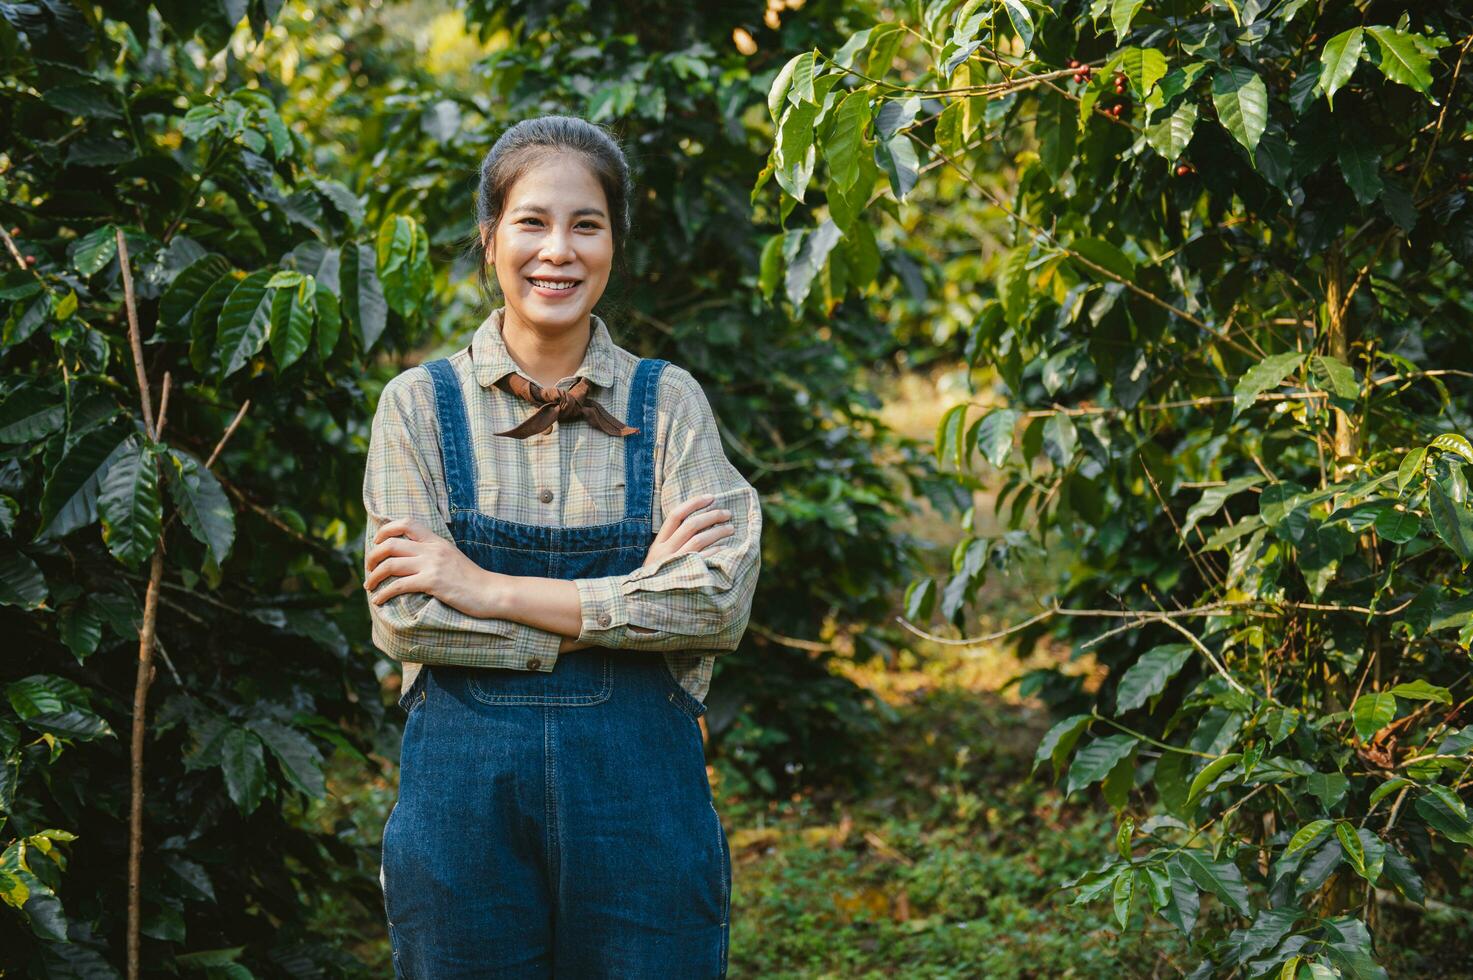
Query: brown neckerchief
point(557, 405)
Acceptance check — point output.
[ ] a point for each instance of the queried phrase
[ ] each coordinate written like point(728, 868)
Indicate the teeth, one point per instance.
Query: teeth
point(553, 285)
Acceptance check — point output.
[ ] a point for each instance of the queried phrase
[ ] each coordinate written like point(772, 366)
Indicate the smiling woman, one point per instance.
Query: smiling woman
point(557, 649)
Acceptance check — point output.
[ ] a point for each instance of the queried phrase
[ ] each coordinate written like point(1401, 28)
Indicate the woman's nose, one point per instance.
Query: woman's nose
point(557, 245)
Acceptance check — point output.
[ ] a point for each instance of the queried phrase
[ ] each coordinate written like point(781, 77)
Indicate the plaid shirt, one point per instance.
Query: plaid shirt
point(692, 606)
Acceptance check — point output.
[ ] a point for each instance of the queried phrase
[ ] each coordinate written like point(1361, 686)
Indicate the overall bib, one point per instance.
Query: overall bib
point(555, 824)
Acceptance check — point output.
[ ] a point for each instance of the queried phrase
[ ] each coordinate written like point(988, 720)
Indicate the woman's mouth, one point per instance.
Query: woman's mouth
point(553, 287)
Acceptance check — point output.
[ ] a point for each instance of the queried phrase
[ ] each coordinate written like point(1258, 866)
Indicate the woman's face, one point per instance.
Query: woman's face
point(553, 244)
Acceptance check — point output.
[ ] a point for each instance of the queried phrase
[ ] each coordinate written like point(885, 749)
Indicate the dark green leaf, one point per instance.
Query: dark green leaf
point(1148, 676)
point(244, 322)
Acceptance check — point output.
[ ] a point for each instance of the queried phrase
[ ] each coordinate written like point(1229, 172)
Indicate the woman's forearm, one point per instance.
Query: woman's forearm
point(546, 603)
point(551, 604)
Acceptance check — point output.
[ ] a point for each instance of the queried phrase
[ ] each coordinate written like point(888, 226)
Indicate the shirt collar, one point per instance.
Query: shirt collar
point(493, 362)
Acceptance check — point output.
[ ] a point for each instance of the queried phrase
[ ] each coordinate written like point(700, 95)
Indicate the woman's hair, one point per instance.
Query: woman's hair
point(531, 141)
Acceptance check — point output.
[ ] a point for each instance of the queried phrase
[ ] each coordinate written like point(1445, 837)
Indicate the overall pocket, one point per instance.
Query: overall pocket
point(580, 677)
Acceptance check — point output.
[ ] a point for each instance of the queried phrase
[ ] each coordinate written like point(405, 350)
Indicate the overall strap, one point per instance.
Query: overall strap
point(639, 449)
point(455, 436)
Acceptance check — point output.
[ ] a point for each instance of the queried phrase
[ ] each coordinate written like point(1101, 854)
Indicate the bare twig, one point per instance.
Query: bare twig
point(145, 643)
point(135, 338)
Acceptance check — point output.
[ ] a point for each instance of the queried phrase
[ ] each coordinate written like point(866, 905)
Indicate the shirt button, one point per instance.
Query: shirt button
point(603, 619)
point(534, 663)
point(545, 496)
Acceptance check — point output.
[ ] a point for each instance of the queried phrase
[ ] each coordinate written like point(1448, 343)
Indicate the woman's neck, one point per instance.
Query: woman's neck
point(545, 357)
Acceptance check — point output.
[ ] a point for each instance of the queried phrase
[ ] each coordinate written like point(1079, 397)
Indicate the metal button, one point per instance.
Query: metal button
point(603, 619)
point(545, 496)
point(534, 663)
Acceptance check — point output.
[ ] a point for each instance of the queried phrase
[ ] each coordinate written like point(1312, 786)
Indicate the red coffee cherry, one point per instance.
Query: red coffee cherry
point(1182, 170)
point(30, 260)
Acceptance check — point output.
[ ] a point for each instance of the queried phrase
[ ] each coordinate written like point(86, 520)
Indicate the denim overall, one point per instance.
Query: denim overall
point(554, 824)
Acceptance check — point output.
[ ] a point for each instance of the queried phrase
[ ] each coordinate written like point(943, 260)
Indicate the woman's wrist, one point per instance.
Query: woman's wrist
point(496, 595)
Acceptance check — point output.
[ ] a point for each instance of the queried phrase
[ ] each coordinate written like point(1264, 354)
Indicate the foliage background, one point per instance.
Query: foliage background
point(934, 189)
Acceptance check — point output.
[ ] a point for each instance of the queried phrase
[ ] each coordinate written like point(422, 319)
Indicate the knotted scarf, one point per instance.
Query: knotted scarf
point(555, 404)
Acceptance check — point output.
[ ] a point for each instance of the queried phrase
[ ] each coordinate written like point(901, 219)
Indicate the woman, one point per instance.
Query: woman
point(555, 532)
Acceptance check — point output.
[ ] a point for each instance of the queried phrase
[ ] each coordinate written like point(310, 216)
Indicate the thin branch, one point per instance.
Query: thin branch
point(135, 338)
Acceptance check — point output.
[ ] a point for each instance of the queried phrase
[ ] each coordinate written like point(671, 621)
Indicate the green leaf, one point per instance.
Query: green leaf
point(1445, 813)
point(244, 765)
point(1102, 253)
point(1397, 524)
point(1387, 788)
point(783, 80)
point(177, 306)
point(1209, 775)
point(1241, 99)
point(795, 151)
point(21, 582)
point(285, 278)
point(949, 447)
point(1328, 788)
point(73, 723)
point(1184, 901)
point(69, 500)
point(1213, 498)
point(1350, 843)
point(1059, 741)
point(129, 504)
point(1420, 690)
point(897, 158)
point(1452, 521)
point(1373, 712)
point(299, 758)
point(1122, 12)
point(1266, 374)
point(329, 321)
point(80, 627)
point(1410, 468)
point(1335, 376)
point(202, 504)
point(361, 293)
point(1021, 20)
point(395, 243)
point(1221, 878)
point(1143, 68)
point(1123, 892)
point(292, 311)
point(1148, 676)
point(813, 252)
point(1094, 762)
point(1403, 58)
point(1403, 876)
point(1169, 132)
point(847, 147)
point(31, 413)
point(94, 250)
point(244, 322)
point(1452, 442)
point(1361, 165)
point(1310, 833)
point(995, 435)
point(1058, 126)
point(1338, 60)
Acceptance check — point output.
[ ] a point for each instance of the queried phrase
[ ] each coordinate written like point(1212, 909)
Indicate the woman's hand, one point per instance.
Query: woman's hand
point(688, 528)
point(425, 562)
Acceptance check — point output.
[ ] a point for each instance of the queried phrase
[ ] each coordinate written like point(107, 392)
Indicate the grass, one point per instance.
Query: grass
point(950, 870)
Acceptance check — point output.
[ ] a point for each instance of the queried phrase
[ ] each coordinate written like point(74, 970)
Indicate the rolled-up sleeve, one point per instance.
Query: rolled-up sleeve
point(699, 600)
point(400, 482)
